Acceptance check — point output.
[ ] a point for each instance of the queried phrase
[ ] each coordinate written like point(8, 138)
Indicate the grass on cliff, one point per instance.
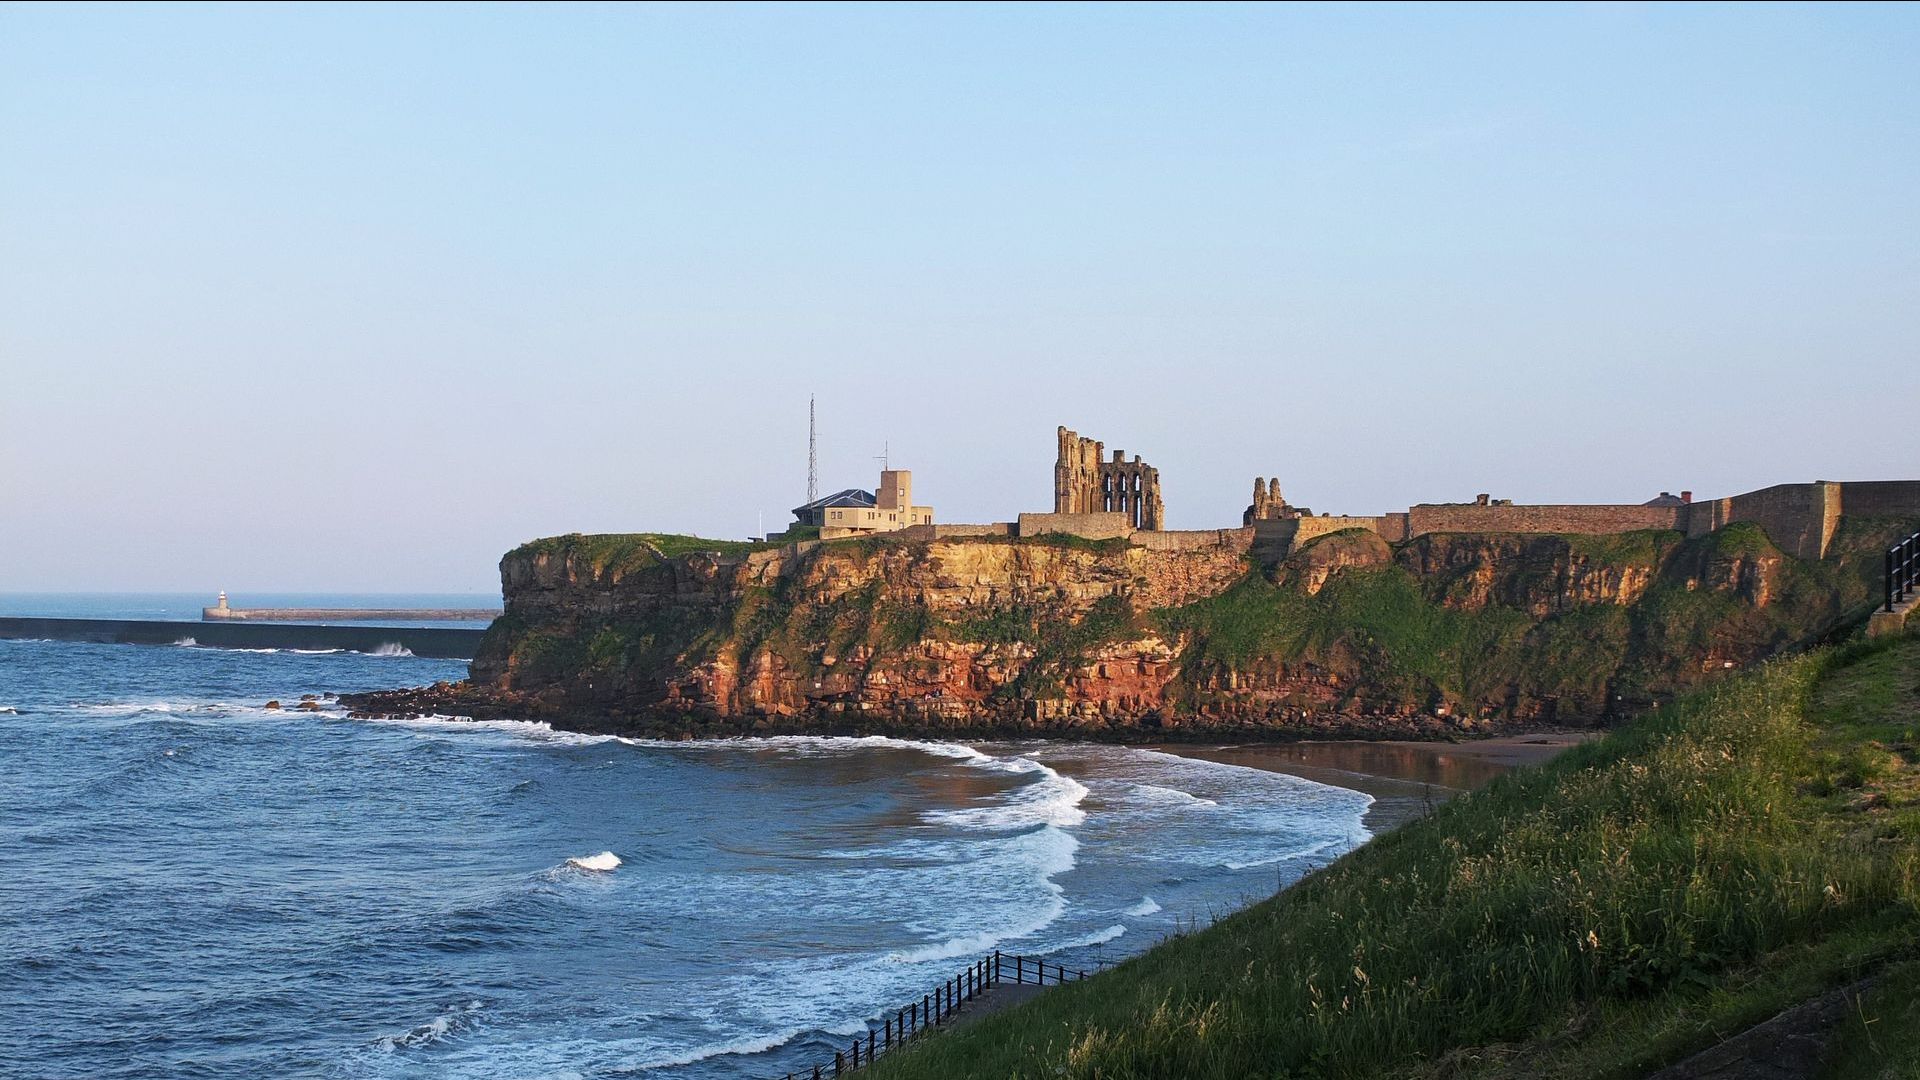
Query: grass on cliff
point(1416, 641)
point(1633, 901)
point(624, 553)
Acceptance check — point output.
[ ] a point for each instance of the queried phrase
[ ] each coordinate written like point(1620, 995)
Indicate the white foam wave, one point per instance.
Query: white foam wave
point(529, 730)
point(1154, 793)
point(1097, 937)
point(187, 643)
point(1049, 852)
point(316, 652)
point(9, 710)
point(809, 745)
point(454, 1019)
point(1301, 853)
point(604, 862)
point(752, 1044)
point(390, 648)
point(1052, 800)
point(1145, 907)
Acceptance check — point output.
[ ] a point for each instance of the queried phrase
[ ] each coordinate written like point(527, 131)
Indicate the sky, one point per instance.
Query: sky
point(360, 297)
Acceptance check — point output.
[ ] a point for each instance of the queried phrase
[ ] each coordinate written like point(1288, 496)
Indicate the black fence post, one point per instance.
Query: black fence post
point(870, 1041)
point(839, 1063)
point(1890, 565)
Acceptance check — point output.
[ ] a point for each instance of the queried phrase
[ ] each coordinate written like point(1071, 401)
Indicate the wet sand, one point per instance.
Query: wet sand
point(1406, 779)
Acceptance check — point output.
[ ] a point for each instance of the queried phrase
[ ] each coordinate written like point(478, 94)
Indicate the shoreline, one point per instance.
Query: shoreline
point(1408, 779)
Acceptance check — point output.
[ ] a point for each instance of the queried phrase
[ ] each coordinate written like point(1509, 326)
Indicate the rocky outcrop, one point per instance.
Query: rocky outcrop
point(1107, 639)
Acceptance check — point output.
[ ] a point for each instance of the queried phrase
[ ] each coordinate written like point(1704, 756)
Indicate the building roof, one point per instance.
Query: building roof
point(849, 497)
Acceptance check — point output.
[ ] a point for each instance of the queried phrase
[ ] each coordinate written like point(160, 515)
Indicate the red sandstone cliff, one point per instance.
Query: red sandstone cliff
point(1348, 635)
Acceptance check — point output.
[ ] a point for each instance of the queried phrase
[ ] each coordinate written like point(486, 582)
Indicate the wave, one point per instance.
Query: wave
point(1052, 800)
point(820, 745)
point(534, 731)
point(1303, 853)
point(604, 862)
point(8, 710)
point(390, 648)
point(747, 1045)
point(1145, 907)
point(1050, 851)
point(187, 643)
point(455, 1019)
point(1154, 793)
point(1098, 937)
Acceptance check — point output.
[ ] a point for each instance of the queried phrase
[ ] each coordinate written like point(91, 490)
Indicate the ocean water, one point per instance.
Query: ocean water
point(186, 606)
point(194, 886)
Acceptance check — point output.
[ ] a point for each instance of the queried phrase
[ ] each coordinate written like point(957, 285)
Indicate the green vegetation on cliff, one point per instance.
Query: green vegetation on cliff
point(1747, 847)
point(624, 553)
point(1479, 632)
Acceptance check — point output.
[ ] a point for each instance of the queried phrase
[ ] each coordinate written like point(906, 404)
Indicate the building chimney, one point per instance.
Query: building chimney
point(1686, 496)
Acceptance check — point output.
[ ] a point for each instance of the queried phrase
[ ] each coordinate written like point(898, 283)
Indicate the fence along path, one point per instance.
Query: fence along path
point(936, 1009)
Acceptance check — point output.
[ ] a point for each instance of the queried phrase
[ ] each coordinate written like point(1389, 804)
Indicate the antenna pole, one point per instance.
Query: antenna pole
point(813, 459)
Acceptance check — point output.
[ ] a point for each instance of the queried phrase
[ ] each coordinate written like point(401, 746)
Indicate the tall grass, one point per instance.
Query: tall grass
point(1642, 868)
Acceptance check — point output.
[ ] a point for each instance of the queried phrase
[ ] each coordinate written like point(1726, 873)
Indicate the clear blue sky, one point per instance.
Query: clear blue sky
point(359, 297)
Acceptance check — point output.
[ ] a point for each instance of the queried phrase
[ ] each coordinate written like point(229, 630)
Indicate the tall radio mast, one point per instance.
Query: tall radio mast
point(813, 460)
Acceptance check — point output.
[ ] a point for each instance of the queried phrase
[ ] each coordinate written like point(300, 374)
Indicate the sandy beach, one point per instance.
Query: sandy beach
point(1406, 779)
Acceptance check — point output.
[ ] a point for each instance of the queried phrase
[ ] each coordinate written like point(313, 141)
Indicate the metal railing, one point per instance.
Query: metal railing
point(939, 1007)
point(1903, 570)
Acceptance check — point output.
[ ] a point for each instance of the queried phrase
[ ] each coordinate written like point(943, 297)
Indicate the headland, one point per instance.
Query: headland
point(1092, 621)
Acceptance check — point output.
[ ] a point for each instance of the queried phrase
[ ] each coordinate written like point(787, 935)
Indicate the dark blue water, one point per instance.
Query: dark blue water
point(192, 885)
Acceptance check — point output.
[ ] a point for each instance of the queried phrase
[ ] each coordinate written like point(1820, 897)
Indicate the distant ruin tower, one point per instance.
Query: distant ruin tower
point(1268, 503)
point(1085, 483)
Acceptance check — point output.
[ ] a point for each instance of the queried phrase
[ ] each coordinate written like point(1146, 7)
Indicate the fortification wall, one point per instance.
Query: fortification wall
point(1097, 526)
point(1799, 518)
point(1276, 537)
point(1597, 518)
point(1191, 540)
point(1880, 498)
point(1802, 518)
point(955, 532)
point(1311, 528)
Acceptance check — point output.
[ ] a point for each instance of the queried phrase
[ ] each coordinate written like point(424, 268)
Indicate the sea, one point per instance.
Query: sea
point(193, 885)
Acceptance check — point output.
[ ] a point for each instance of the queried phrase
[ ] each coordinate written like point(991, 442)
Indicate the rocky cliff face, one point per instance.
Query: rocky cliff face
point(1105, 639)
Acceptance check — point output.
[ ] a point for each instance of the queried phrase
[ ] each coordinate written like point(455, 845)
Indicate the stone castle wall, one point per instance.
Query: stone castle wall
point(1095, 526)
point(1546, 518)
point(953, 532)
point(1192, 540)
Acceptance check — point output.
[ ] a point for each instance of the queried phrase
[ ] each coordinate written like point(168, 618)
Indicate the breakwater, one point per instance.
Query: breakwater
point(441, 642)
point(234, 614)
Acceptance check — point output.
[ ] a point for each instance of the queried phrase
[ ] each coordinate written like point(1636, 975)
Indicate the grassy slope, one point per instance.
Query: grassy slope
point(1627, 904)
